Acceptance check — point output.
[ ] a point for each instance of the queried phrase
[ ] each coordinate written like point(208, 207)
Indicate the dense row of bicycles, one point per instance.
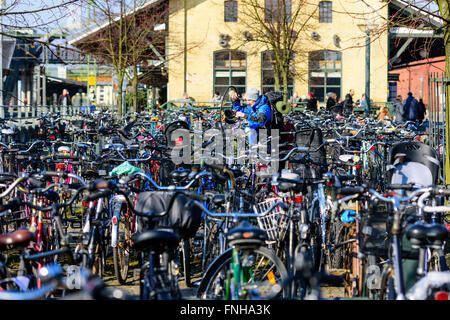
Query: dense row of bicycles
point(351, 202)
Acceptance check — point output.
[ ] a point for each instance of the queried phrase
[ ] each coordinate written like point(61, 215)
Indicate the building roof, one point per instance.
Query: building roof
point(433, 20)
point(84, 33)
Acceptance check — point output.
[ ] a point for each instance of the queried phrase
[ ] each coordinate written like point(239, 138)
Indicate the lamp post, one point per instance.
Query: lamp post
point(367, 29)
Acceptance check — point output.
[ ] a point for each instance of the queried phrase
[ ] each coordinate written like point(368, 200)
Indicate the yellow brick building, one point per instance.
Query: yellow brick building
point(334, 58)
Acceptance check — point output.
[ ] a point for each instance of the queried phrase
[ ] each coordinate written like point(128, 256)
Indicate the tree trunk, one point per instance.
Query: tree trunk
point(276, 76)
point(120, 100)
point(285, 84)
point(134, 83)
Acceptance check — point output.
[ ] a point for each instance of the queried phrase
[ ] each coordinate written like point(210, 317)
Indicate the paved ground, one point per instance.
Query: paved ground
point(132, 286)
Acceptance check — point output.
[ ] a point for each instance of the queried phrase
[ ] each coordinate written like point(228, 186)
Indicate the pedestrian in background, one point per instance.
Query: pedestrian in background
point(384, 115)
point(64, 99)
point(399, 113)
point(216, 98)
point(348, 102)
point(313, 104)
point(422, 110)
point(411, 108)
point(331, 100)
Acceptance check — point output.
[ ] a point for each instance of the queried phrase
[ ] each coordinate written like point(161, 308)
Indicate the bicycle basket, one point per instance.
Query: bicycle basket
point(275, 223)
point(373, 232)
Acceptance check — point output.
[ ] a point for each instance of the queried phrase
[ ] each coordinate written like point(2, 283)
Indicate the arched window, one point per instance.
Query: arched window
point(325, 73)
point(268, 73)
point(325, 13)
point(230, 68)
point(230, 11)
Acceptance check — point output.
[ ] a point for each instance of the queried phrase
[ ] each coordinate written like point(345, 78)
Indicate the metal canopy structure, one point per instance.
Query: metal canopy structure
point(408, 43)
point(92, 40)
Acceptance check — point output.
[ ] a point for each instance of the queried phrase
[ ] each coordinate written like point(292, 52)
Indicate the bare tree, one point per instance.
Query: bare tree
point(279, 26)
point(124, 37)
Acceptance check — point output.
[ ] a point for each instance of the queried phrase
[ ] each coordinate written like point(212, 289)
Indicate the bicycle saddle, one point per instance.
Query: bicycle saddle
point(156, 240)
point(427, 234)
point(16, 239)
point(437, 234)
point(219, 199)
point(246, 235)
point(180, 174)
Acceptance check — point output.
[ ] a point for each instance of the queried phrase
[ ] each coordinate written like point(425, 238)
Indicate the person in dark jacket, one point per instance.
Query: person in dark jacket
point(348, 102)
point(64, 99)
point(313, 104)
point(411, 108)
point(331, 101)
point(422, 110)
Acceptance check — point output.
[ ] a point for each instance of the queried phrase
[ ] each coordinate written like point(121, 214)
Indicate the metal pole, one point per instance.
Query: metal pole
point(367, 91)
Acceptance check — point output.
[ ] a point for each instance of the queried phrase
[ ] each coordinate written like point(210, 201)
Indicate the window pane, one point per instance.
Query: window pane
point(238, 60)
point(230, 11)
point(314, 81)
point(325, 12)
point(268, 77)
point(274, 10)
point(230, 68)
point(222, 81)
point(325, 70)
point(222, 60)
point(333, 81)
point(267, 59)
point(238, 81)
point(267, 72)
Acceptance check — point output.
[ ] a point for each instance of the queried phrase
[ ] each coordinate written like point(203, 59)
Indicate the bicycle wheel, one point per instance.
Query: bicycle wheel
point(211, 243)
point(185, 255)
point(267, 269)
point(98, 266)
point(121, 252)
point(336, 256)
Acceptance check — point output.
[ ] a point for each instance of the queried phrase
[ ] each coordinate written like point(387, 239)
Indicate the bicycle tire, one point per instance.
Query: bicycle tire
point(121, 252)
point(185, 253)
point(225, 258)
point(337, 254)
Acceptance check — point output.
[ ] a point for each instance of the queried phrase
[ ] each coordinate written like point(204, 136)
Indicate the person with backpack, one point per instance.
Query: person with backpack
point(257, 112)
point(411, 108)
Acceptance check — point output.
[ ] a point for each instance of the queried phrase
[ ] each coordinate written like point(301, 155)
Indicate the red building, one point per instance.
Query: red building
point(413, 77)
